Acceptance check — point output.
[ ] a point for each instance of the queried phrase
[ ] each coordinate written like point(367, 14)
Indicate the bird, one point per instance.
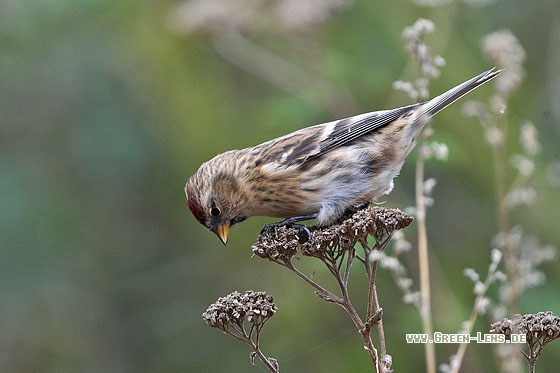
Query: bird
point(319, 172)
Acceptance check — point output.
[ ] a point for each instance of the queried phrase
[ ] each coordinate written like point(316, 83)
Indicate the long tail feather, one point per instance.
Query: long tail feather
point(442, 101)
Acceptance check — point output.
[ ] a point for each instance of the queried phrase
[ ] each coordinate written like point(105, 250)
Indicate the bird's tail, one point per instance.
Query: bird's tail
point(442, 101)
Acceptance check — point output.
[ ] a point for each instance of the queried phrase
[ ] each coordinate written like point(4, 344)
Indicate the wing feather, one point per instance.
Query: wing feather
point(294, 149)
point(349, 129)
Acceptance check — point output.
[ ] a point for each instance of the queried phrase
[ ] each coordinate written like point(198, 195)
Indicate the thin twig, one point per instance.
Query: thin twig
point(380, 329)
point(360, 325)
point(349, 261)
point(371, 290)
point(373, 306)
point(474, 314)
point(262, 356)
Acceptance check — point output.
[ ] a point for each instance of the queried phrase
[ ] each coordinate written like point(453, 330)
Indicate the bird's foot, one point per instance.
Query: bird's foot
point(361, 206)
point(352, 210)
point(303, 232)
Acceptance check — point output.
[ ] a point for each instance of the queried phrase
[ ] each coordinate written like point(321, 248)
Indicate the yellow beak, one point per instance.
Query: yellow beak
point(223, 232)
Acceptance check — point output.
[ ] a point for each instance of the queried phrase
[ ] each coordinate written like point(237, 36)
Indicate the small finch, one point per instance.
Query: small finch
point(320, 172)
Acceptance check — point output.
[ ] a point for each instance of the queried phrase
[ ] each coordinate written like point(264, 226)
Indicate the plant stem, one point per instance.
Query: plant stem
point(346, 304)
point(424, 265)
point(373, 305)
point(262, 356)
point(363, 328)
point(500, 174)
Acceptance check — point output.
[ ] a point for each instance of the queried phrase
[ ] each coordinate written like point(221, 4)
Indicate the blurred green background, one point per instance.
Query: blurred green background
point(107, 107)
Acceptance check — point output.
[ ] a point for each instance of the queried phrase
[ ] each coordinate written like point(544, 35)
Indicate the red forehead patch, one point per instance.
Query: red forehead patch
point(196, 211)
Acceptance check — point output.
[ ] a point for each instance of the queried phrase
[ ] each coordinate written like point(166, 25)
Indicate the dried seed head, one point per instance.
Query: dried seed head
point(279, 244)
point(542, 327)
point(254, 306)
point(324, 240)
point(282, 243)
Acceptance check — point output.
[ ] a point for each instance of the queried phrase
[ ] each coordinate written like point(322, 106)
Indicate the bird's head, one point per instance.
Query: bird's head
point(215, 200)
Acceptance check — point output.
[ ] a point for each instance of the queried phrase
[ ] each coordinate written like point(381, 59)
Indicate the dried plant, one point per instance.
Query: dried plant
point(231, 33)
point(429, 66)
point(539, 329)
point(522, 254)
point(243, 316)
point(335, 246)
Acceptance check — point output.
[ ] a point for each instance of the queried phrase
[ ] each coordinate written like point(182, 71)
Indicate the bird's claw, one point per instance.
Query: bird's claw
point(362, 206)
point(303, 233)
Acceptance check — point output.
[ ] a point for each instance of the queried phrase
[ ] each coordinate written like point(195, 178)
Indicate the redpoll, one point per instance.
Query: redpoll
point(319, 172)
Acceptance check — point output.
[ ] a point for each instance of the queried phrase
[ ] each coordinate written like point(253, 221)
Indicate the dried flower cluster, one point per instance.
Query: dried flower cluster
point(233, 309)
point(529, 256)
point(482, 302)
point(429, 65)
point(282, 243)
point(506, 52)
point(231, 313)
point(539, 329)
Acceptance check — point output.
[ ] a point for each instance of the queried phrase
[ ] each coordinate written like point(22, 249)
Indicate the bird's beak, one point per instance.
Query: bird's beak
point(222, 232)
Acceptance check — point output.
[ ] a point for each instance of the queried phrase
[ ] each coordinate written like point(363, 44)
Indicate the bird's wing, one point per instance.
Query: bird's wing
point(296, 148)
point(348, 129)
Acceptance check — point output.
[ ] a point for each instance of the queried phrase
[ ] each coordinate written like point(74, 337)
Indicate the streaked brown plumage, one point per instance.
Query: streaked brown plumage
point(320, 171)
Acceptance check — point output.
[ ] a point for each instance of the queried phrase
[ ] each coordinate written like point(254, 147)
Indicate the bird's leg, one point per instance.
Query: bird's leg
point(303, 231)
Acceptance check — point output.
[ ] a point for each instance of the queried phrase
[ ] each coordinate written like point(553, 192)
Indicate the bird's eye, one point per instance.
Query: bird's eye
point(215, 211)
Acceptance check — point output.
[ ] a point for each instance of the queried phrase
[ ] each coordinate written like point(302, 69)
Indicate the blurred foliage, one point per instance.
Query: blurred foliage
point(105, 111)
